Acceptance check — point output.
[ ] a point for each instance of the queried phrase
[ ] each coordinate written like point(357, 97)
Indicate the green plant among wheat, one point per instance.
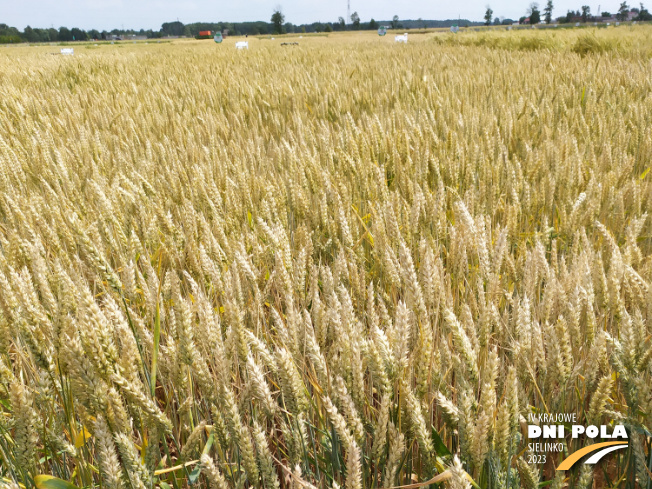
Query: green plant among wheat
point(325, 268)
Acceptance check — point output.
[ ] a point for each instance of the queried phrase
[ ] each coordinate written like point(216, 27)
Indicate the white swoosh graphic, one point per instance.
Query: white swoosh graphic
point(595, 458)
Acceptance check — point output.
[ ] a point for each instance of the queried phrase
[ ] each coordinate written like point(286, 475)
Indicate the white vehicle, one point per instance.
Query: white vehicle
point(402, 38)
point(67, 51)
point(242, 45)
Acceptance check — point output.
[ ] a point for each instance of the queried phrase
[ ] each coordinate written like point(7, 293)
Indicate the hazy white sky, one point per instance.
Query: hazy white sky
point(150, 14)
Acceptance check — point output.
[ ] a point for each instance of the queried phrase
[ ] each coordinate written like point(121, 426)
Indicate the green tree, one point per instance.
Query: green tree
point(547, 12)
point(623, 11)
point(78, 34)
point(342, 23)
point(395, 22)
point(488, 15)
point(29, 35)
point(172, 28)
point(586, 13)
point(43, 35)
point(277, 20)
point(64, 34)
point(535, 13)
point(328, 28)
point(373, 25)
point(644, 14)
point(355, 20)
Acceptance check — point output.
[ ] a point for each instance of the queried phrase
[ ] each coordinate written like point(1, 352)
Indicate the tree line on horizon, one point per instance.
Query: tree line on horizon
point(536, 16)
point(277, 25)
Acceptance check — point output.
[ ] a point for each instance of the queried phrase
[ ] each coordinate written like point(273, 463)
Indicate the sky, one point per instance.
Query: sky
point(150, 14)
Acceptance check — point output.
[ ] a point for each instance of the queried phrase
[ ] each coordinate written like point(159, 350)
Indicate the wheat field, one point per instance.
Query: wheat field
point(343, 264)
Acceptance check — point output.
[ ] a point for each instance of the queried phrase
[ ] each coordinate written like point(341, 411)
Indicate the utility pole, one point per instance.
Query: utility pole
point(348, 11)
